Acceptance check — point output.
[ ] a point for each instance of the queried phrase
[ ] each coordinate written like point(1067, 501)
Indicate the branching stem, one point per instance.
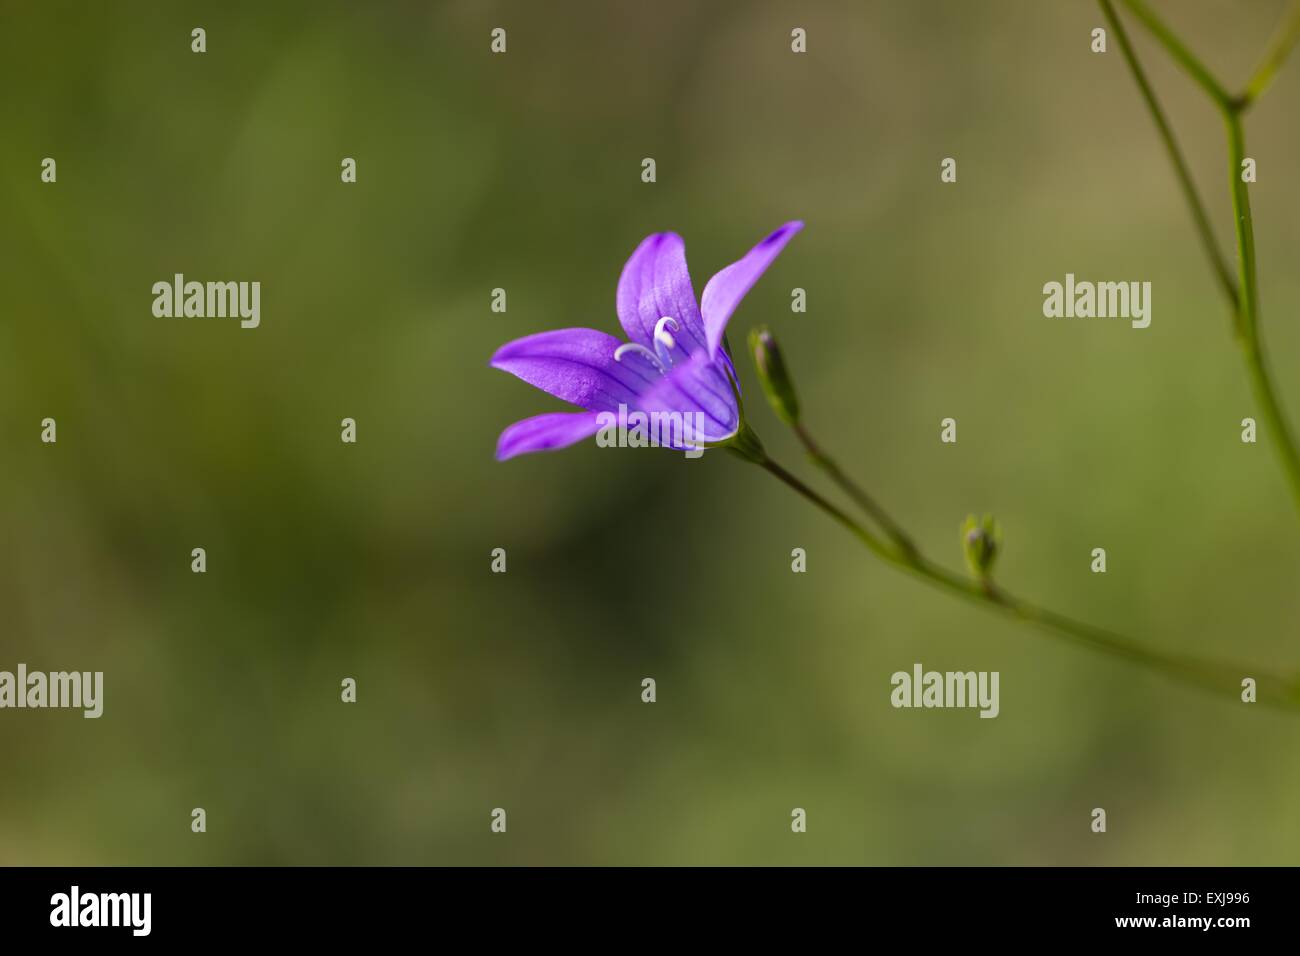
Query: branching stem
point(1243, 297)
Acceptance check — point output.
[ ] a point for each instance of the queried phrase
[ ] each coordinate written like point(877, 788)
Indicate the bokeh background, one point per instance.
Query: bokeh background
point(478, 690)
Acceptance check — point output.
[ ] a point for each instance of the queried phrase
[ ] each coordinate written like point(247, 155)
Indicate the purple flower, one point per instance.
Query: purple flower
point(673, 361)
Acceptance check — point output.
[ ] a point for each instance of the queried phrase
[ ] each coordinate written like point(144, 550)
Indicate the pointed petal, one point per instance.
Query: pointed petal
point(546, 433)
point(655, 283)
point(728, 287)
point(576, 365)
point(697, 387)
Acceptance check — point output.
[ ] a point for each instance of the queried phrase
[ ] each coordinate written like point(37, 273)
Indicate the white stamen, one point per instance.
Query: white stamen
point(641, 350)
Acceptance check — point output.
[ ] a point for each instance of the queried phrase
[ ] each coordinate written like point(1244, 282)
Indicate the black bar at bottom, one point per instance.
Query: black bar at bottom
point(335, 905)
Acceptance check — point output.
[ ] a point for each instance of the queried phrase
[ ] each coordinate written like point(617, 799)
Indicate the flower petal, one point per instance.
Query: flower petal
point(728, 287)
point(576, 365)
point(546, 433)
point(697, 387)
point(655, 283)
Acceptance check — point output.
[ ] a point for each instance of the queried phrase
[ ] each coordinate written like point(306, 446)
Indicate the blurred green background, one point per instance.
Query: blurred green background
point(478, 690)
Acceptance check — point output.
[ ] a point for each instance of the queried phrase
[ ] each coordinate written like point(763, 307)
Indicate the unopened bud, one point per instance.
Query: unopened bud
point(981, 539)
point(773, 376)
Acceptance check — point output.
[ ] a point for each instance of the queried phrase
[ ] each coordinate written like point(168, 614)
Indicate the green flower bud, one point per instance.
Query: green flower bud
point(772, 375)
point(981, 539)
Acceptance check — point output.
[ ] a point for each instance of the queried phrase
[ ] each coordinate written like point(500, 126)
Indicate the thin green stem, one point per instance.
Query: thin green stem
point(1274, 418)
point(1182, 56)
point(1219, 676)
point(1279, 48)
point(1199, 215)
point(870, 540)
point(1245, 230)
point(1261, 383)
point(854, 491)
